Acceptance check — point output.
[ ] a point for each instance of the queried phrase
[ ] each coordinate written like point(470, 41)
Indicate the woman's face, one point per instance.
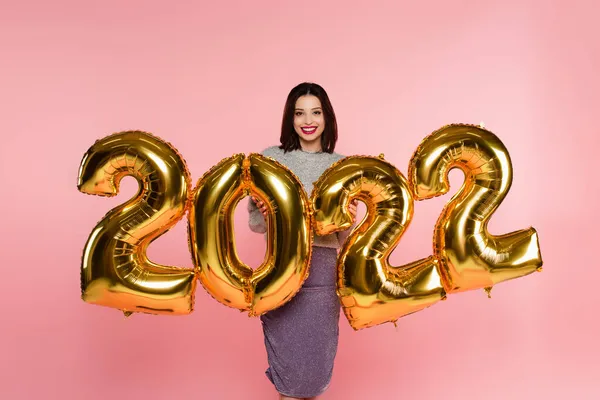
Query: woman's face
point(309, 121)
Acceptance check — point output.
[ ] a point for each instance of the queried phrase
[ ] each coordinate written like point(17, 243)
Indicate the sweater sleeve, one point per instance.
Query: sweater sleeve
point(343, 235)
point(256, 219)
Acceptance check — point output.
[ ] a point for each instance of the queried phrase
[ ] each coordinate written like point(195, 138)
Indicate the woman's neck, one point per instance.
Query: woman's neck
point(311, 147)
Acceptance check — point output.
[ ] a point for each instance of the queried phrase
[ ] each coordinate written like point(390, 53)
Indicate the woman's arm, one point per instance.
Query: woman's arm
point(343, 235)
point(256, 219)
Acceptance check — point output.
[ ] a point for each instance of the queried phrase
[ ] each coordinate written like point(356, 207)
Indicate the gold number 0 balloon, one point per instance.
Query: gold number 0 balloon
point(115, 271)
point(289, 234)
point(370, 290)
point(470, 257)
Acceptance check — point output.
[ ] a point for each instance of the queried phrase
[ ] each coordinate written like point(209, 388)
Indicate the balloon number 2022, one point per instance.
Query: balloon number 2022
point(116, 272)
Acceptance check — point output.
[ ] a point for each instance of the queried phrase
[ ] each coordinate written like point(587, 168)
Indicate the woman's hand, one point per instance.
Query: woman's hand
point(352, 208)
point(261, 205)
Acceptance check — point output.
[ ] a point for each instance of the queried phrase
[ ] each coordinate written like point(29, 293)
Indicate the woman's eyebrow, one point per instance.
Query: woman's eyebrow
point(315, 108)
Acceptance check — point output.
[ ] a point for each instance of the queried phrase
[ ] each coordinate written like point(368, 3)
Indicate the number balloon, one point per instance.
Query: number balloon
point(370, 289)
point(115, 270)
point(289, 234)
point(469, 256)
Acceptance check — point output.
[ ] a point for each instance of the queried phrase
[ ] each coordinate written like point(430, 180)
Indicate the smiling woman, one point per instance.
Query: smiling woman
point(301, 337)
point(308, 122)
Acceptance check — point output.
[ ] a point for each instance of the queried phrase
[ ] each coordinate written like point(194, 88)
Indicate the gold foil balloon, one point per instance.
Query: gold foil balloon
point(370, 289)
point(115, 270)
point(289, 234)
point(469, 256)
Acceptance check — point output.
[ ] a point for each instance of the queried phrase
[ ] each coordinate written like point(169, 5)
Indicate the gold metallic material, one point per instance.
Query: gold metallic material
point(289, 237)
point(488, 291)
point(115, 271)
point(469, 256)
point(371, 291)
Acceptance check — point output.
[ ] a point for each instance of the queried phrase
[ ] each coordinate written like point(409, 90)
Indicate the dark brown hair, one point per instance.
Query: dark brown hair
point(289, 138)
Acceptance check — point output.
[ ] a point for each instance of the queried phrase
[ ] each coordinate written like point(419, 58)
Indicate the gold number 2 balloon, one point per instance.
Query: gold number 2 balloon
point(115, 270)
point(371, 291)
point(212, 243)
point(469, 256)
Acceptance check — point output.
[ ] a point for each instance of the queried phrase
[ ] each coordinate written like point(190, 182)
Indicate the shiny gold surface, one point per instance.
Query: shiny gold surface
point(370, 289)
point(289, 237)
point(115, 271)
point(469, 256)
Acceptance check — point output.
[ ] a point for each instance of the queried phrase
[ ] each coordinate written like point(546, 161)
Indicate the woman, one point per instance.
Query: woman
point(301, 337)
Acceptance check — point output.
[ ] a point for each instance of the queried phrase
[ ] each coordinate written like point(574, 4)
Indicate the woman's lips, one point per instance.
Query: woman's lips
point(309, 130)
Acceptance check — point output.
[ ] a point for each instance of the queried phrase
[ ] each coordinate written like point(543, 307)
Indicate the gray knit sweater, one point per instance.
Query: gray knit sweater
point(308, 167)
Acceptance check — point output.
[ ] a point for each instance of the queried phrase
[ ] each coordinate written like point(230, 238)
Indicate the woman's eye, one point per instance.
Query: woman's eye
point(318, 112)
point(298, 113)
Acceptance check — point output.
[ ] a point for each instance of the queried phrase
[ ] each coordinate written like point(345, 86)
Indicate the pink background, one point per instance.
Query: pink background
point(211, 78)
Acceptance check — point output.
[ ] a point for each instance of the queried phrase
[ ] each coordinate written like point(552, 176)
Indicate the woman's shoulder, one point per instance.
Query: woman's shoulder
point(337, 156)
point(271, 151)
